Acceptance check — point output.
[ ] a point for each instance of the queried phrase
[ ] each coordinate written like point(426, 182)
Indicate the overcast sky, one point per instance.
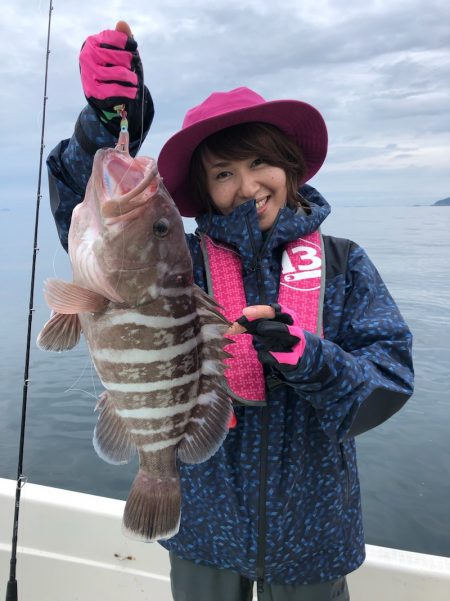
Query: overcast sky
point(377, 70)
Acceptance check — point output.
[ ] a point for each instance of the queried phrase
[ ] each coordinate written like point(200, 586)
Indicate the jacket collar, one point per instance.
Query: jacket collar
point(240, 228)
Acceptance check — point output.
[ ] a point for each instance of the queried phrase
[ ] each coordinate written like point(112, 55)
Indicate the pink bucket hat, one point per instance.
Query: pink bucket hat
point(298, 120)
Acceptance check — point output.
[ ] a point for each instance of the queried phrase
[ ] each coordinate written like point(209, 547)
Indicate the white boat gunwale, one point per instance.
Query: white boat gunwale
point(71, 547)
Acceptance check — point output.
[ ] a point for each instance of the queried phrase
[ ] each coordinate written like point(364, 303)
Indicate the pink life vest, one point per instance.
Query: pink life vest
point(301, 289)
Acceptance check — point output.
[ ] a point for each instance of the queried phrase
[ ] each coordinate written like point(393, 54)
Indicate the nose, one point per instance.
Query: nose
point(248, 186)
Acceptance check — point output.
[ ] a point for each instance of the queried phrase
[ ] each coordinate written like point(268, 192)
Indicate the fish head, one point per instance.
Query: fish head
point(126, 238)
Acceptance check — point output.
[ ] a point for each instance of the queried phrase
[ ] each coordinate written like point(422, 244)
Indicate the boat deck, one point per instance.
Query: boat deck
point(71, 548)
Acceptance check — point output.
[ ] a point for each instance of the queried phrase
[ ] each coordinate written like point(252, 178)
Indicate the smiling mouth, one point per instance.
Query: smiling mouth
point(261, 203)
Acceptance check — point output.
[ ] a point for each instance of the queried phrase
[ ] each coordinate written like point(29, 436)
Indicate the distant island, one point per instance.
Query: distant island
point(445, 202)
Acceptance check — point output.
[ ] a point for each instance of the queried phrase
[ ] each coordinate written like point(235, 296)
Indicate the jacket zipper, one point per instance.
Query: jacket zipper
point(347, 475)
point(262, 518)
point(264, 453)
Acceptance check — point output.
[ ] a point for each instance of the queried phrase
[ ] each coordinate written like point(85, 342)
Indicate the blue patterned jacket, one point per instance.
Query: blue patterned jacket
point(280, 500)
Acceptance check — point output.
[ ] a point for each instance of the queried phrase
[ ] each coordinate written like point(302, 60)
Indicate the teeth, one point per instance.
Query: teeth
point(261, 203)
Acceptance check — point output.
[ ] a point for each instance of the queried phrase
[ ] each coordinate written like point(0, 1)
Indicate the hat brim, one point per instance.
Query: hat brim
point(298, 120)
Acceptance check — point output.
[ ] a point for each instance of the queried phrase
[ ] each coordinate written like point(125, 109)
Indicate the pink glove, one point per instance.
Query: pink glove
point(109, 65)
point(282, 339)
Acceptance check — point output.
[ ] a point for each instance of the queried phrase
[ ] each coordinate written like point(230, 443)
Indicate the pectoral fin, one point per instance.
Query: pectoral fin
point(69, 298)
point(112, 441)
point(60, 333)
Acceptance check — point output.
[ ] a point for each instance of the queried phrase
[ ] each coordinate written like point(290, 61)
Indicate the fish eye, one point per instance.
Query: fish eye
point(161, 227)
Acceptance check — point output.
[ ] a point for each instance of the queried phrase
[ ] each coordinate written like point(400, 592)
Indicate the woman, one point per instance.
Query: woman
point(329, 354)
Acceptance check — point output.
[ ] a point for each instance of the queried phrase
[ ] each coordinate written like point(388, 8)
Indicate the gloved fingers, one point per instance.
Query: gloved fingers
point(284, 314)
point(269, 328)
point(93, 57)
point(273, 313)
point(281, 337)
point(287, 359)
point(272, 334)
point(102, 82)
point(109, 37)
point(110, 58)
point(253, 312)
point(116, 75)
point(276, 336)
point(283, 318)
point(250, 325)
point(113, 92)
point(243, 321)
point(263, 327)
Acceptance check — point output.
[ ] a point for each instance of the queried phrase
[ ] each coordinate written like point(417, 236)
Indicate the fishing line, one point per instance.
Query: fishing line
point(93, 374)
point(11, 589)
point(55, 254)
point(87, 363)
point(83, 391)
point(141, 140)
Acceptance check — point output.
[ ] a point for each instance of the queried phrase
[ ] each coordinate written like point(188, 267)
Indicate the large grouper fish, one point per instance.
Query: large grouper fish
point(155, 338)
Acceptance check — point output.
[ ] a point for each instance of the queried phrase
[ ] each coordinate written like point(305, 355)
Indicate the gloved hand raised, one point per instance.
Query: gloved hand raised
point(112, 74)
point(281, 336)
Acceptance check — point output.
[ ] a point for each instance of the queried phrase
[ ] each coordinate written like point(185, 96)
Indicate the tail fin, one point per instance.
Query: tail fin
point(152, 510)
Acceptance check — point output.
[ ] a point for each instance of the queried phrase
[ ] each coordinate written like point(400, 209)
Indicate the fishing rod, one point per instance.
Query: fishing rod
point(11, 589)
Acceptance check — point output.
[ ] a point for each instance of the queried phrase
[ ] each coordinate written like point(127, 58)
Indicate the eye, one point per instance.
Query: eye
point(161, 227)
point(222, 174)
point(258, 161)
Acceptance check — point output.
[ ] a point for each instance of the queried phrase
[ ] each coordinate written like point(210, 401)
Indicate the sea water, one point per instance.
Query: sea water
point(404, 463)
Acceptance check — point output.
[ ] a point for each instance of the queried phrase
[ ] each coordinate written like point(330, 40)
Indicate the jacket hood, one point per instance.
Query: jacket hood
point(241, 229)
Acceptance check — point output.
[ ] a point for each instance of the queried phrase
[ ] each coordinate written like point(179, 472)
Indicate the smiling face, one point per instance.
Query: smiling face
point(230, 183)
point(245, 161)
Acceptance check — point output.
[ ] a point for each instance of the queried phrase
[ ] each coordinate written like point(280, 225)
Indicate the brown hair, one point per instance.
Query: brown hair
point(244, 141)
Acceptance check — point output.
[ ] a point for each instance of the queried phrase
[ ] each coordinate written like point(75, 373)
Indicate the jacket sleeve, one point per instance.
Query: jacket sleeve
point(365, 375)
point(69, 164)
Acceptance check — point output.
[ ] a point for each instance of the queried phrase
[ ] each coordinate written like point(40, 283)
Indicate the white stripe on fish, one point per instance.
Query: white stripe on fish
point(151, 321)
point(211, 331)
point(152, 447)
point(211, 367)
point(175, 292)
point(156, 412)
point(151, 386)
point(135, 355)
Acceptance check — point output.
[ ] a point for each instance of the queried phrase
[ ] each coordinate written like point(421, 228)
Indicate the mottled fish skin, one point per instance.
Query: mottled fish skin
point(155, 338)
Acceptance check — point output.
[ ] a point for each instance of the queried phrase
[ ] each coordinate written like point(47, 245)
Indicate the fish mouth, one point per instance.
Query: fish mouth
point(124, 184)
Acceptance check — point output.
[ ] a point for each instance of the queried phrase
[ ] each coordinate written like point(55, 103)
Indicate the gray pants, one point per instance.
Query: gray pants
point(191, 582)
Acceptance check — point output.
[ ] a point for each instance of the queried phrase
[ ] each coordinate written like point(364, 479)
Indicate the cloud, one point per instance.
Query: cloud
point(378, 72)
